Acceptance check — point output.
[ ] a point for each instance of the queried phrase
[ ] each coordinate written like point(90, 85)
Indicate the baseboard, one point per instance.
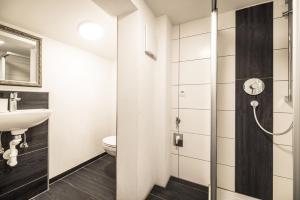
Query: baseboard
point(60, 176)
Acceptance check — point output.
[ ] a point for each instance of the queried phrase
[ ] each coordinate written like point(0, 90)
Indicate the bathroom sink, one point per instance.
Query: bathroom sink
point(19, 121)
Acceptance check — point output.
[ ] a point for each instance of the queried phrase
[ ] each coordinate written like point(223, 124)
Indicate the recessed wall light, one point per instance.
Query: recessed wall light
point(90, 30)
point(1, 42)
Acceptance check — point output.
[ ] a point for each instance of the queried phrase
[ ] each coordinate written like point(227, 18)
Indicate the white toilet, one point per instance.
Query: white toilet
point(109, 145)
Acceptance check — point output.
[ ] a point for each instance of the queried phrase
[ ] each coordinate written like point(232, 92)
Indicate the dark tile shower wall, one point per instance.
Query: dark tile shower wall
point(254, 58)
point(30, 176)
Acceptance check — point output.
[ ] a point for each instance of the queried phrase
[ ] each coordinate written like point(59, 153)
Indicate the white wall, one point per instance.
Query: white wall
point(143, 142)
point(81, 95)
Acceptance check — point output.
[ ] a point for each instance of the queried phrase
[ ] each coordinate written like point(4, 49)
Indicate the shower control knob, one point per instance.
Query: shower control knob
point(254, 86)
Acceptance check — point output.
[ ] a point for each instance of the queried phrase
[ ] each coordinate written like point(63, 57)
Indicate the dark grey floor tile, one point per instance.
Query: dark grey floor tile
point(105, 166)
point(61, 190)
point(178, 191)
point(98, 186)
point(153, 197)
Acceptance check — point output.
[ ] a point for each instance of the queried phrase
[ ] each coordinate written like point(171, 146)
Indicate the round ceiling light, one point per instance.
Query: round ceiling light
point(1, 42)
point(90, 30)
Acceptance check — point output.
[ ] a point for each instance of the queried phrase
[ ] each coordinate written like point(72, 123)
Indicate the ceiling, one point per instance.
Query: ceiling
point(180, 11)
point(59, 19)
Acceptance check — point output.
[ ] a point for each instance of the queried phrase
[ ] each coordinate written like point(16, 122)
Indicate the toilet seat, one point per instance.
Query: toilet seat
point(110, 141)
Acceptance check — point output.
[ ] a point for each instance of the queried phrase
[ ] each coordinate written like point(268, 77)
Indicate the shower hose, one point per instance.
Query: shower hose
point(254, 104)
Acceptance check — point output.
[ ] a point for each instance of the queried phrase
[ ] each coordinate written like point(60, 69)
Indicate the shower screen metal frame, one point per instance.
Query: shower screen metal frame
point(214, 68)
point(296, 99)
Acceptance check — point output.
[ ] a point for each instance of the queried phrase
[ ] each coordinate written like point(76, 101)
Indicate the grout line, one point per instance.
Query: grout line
point(195, 35)
point(225, 137)
point(16, 188)
point(76, 188)
point(194, 158)
point(229, 55)
point(196, 59)
point(23, 154)
point(157, 196)
point(282, 177)
point(226, 165)
point(78, 169)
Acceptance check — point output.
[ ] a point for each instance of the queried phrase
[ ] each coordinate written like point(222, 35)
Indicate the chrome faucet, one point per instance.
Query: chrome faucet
point(13, 101)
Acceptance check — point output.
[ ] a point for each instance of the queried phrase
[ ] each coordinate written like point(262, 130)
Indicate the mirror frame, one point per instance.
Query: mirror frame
point(38, 41)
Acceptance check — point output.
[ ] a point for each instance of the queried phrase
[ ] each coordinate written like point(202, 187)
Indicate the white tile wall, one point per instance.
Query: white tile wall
point(174, 97)
point(226, 69)
point(228, 195)
point(226, 42)
point(174, 75)
point(280, 64)
point(226, 20)
point(196, 47)
point(194, 96)
point(174, 165)
point(278, 8)
point(195, 170)
point(195, 121)
point(195, 27)
point(175, 32)
point(175, 50)
point(196, 146)
point(174, 114)
point(280, 39)
point(226, 177)
point(174, 149)
point(283, 161)
point(195, 72)
point(280, 91)
point(281, 121)
point(282, 188)
point(226, 151)
point(226, 124)
point(226, 96)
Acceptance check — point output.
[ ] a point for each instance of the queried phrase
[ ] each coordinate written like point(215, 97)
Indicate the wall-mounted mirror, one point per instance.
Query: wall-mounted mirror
point(20, 58)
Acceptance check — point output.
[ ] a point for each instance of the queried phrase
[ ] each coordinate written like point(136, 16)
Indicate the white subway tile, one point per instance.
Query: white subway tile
point(175, 51)
point(195, 72)
point(280, 91)
point(174, 114)
point(226, 42)
point(196, 47)
point(226, 124)
point(175, 32)
point(226, 177)
point(196, 146)
point(283, 161)
point(194, 170)
point(194, 96)
point(174, 165)
point(280, 34)
point(195, 27)
point(280, 64)
point(226, 96)
point(226, 20)
point(195, 121)
point(279, 7)
point(174, 149)
point(228, 195)
point(281, 121)
point(226, 69)
point(226, 151)
point(174, 73)
point(282, 188)
point(174, 99)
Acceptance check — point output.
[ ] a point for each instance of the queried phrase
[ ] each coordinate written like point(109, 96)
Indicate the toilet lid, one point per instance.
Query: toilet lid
point(110, 141)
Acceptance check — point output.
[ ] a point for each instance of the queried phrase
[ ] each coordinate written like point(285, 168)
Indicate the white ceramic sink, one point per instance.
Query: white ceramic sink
point(19, 121)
